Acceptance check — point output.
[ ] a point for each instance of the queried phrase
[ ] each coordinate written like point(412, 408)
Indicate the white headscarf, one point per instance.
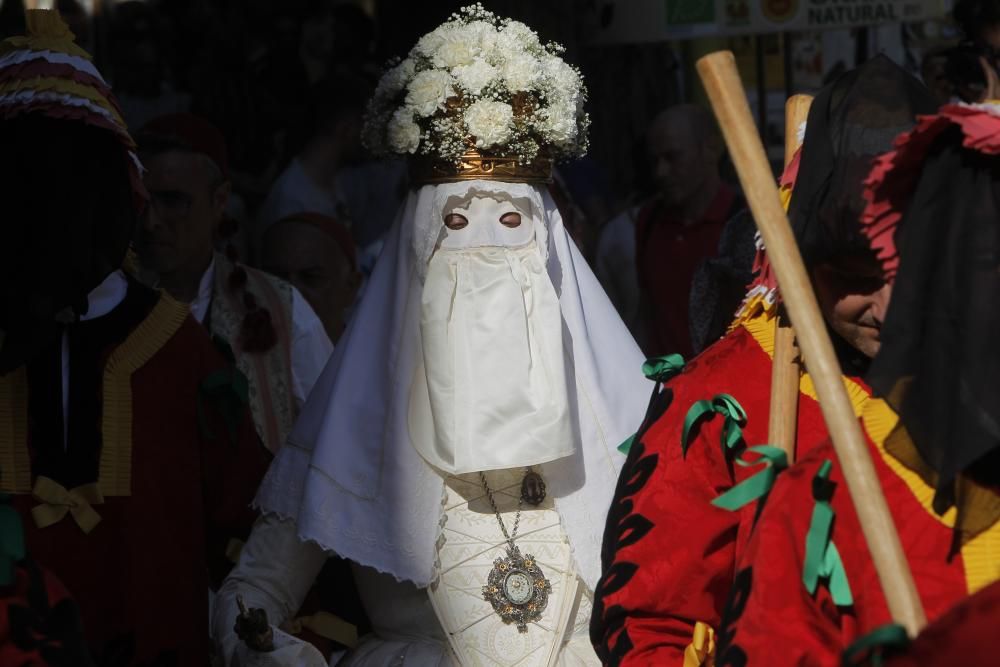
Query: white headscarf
point(351, 477)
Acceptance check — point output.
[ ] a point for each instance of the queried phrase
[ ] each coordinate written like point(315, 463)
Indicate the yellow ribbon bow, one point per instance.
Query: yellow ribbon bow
point(57, 501)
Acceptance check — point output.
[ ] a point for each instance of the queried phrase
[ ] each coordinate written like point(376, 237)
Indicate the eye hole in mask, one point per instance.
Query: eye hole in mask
point(511, 220)
point(455, 221)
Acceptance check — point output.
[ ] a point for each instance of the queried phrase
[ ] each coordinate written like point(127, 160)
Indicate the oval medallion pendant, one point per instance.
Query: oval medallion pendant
point(517, 589)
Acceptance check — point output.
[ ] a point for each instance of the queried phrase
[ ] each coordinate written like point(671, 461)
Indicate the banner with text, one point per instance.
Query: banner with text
point(623, 21)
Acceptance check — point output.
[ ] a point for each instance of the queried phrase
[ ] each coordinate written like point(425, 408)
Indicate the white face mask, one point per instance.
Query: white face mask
point(492, 390)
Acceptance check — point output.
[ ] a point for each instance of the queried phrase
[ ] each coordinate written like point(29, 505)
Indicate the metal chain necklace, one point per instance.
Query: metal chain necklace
point(516, 587)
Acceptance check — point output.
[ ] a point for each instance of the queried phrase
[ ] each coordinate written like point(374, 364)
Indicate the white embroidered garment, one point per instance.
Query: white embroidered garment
point(470, 541)
point(350, 475)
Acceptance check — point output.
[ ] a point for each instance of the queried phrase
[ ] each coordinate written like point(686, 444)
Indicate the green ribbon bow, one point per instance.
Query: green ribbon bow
point(229, 391)
point(11, 540)
point(659, 370)
point(868, 650)
point(822, 558)
point(723, 404)
point(774, 459)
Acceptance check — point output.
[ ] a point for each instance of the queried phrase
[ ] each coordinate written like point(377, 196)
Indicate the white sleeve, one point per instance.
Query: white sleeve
point(311, 348)
point(274, 573)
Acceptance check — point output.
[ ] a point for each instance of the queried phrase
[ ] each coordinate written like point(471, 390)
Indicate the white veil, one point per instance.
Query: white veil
point(349, 475)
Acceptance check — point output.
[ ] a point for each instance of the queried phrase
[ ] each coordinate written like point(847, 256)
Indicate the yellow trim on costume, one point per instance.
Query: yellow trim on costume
point(41, 84)
point(756, 304)
point(981, 554)
point(762, 330)
point(15, 463)
point(46, 32)
point(166, 318)
point(701, 651)
point(785, 195)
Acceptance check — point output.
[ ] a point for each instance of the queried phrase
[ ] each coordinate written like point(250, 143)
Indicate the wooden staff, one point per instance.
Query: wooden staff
point(782, 425)
point(725, 92)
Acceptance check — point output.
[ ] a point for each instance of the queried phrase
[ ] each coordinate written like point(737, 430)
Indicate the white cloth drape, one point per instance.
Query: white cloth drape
point(350, 476)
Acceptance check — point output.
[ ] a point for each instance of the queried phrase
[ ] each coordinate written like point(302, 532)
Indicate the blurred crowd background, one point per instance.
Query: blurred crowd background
point(651, 207)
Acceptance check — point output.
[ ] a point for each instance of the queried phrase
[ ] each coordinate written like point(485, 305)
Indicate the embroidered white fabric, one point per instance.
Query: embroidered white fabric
point(351, 478)
point(470, 542)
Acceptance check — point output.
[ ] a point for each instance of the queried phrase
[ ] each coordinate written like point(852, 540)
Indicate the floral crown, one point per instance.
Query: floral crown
point(480, 97)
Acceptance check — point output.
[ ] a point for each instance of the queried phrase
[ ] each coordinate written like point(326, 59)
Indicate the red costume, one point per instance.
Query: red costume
point(773, 619)
point(671, 550)
point(156, 443)
point(932, 218)
point(125, 438)
point(662, 520)
point(966, 635)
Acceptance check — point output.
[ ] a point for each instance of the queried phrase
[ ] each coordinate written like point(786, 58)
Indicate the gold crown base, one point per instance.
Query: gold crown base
point(425, 170)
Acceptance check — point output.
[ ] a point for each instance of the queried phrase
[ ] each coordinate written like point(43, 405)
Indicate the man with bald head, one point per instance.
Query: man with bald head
point(681, 226)
point(316, 254)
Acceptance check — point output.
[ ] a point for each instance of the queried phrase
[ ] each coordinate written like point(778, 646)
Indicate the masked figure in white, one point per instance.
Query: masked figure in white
point(461, 445)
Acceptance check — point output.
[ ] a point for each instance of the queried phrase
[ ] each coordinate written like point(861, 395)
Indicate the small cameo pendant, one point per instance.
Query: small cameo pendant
point(533, 488)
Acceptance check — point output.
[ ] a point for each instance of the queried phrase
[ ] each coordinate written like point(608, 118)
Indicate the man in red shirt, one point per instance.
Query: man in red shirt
point(681, 227)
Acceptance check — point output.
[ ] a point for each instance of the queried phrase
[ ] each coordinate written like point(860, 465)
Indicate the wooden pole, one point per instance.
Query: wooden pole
point(796, 112)
point(725, 91)
point(782, 425)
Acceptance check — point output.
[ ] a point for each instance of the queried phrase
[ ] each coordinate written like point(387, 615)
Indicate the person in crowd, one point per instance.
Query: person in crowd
point(140, 71)
point(681, 515)
point(934, 72)
point(316, 254)
point(719, 282)
point(277, 340)
point(614, 254)
point(682, 226)
point(465, 428)
point(126, 443)
point(972, 65)
point(328, 142)
point(933, 222)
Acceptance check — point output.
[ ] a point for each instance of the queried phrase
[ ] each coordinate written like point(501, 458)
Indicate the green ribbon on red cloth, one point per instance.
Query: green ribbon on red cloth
point(228, 390)
point(822, 558)
point(11, 540)
point(870, 649)
point(734, 418)
point(659, 370)
point(774, 459)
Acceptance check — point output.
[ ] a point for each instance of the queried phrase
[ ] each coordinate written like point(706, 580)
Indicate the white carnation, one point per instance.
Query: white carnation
point(403, 132)
point(429, 90)
point(489, 122)
point(483, 35)
point(429, 44)
point(476, 76)
point(520, 71)
point(557, 123)
point(516, 37)
point(564, 79)
point(395, 79)
point(458, 47)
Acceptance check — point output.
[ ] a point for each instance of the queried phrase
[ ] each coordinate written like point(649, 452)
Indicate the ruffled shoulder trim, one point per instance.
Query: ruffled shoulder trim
point(762, 295)
point(894, 175)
